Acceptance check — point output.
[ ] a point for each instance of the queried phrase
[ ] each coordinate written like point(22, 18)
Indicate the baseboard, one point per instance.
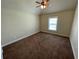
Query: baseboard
point(18, 39)
point(28, 36)
point(56, 34)
point(73, 50)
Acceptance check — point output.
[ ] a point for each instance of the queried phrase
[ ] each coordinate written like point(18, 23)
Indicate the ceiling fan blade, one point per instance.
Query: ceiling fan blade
point(42, 0)
point(38, 2)
point(47, 0)
point(38, 6)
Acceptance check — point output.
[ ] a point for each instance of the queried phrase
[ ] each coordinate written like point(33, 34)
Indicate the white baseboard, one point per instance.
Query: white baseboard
point(24, 37)
point(56, 34)
point(17, 40)
point(75, 57)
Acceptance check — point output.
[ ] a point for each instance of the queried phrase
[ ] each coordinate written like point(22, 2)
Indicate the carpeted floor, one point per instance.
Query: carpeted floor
point(40, 46)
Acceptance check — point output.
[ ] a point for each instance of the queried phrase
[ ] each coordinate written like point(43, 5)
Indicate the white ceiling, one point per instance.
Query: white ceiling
point(59, 5)
point(30, 5)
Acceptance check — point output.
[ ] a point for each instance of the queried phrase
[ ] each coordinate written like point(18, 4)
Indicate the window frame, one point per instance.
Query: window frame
point(56, 25)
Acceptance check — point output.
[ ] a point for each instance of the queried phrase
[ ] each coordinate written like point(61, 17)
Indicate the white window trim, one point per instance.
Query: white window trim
point(56, 26)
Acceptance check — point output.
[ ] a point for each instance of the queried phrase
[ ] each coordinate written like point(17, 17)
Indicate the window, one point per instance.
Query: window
point(53, 23)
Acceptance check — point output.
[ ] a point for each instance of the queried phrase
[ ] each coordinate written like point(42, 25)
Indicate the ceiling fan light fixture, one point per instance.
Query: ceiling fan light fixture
point(43, 6)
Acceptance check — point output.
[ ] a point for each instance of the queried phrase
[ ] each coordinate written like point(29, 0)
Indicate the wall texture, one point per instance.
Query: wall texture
point(74, 35)
point(17, 22)
point(65, 19)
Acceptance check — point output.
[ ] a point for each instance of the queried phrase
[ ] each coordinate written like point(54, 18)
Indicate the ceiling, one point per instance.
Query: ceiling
point(59, 5)
point(30, 5)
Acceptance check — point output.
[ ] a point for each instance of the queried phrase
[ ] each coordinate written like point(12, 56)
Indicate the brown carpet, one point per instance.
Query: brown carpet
point(40, 46)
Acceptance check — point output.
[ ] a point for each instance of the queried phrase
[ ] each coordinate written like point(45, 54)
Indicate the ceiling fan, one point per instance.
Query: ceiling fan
point(42, 4)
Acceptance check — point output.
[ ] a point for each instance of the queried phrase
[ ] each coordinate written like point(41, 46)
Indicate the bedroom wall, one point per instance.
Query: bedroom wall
point(74, 35)
point(17, 21)
point(65, 19)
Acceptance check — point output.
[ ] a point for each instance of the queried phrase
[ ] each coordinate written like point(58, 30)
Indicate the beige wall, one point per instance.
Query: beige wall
point(74, 35)
point(65, 19)
point(16, 22)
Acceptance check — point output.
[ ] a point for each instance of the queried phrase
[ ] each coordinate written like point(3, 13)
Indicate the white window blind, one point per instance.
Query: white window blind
point(53, 23)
